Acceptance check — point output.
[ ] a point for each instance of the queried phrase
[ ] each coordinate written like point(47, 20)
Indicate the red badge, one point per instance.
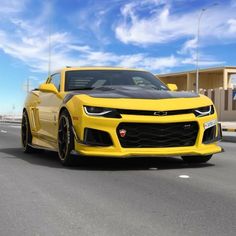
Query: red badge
point(122, 133)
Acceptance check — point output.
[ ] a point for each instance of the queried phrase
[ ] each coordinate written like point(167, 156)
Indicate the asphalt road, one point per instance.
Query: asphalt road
point(114, 197)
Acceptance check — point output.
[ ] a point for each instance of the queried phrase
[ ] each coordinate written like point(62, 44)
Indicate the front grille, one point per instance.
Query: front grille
point(154, 135)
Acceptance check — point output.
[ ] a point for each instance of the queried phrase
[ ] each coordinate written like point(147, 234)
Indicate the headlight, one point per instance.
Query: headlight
point(101, 111)
point(204, 111)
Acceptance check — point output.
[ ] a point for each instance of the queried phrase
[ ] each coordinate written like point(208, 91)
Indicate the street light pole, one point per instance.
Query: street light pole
point(197, 45)
point(197, 50)
point(28, 85)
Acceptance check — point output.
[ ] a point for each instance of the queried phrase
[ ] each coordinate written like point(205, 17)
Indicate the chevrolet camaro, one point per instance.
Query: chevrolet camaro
point(118, 112)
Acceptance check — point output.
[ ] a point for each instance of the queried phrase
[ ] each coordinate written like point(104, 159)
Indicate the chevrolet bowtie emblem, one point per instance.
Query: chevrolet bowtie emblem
point(160, 113)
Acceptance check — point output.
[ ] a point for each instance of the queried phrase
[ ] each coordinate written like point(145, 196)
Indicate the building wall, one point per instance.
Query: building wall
point(191, 81)
point(180, 81)
point(211, 80)
point(218, 78)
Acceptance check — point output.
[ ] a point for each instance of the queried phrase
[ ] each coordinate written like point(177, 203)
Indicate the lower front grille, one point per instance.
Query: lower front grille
point(96, 137)
point(209, 135)
point(141, 135)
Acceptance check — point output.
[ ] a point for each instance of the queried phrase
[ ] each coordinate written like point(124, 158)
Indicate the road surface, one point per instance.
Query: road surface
point(161, 196)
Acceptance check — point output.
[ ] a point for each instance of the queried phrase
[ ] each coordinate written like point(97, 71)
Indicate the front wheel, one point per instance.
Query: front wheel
point(65, 139)
point(196, 159)
point(26, 136)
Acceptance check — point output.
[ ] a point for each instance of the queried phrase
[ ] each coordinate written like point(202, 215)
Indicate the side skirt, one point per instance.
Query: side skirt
point(42, 148)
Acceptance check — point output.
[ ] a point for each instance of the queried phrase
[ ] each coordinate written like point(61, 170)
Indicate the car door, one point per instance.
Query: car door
point(48, 110)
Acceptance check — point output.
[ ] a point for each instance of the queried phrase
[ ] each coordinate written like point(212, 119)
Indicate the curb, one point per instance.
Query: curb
point(230, 139)
point(229, 135)
point(228, 130)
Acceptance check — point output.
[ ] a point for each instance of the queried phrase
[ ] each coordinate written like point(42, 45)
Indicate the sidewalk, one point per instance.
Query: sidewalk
point(229, 131)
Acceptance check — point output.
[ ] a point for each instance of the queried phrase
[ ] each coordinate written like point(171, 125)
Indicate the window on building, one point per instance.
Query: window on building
point(233, 80)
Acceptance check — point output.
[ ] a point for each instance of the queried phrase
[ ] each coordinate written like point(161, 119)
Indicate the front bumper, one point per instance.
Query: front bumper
point(110, 125)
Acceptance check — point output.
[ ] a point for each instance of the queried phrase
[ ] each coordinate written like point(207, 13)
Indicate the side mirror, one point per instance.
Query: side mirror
point(49, 88)
point(172, 87)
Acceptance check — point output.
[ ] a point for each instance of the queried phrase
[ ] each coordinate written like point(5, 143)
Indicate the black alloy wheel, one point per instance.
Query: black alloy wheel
point(65, 139)
point(26, 136)
point(196, 159)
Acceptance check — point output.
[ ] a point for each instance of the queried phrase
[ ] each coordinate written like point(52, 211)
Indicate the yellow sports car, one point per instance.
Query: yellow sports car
point(117, 112)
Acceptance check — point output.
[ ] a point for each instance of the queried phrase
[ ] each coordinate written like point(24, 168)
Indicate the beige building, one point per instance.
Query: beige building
point(210, 78)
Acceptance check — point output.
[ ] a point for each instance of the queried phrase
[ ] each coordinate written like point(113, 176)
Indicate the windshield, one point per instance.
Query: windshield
point(92, 79)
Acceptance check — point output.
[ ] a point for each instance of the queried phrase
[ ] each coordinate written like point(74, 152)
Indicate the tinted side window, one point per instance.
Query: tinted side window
point(56, 80)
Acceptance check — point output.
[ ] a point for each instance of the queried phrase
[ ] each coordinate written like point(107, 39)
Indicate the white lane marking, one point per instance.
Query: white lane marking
point(3, 131)
point(184, 176)
point(153, 168)
point(16, 126)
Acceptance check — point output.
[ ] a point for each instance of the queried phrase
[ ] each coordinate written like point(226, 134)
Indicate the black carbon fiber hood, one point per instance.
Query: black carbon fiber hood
point(130, 92)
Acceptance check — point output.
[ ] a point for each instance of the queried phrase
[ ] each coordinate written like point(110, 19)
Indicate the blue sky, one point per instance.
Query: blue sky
point(156, 35)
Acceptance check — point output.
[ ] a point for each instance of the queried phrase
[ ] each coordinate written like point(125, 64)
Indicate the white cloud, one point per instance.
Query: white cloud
point(11, 6)
point(30, 42)
point(204, 61)
point(33, 50)
point(148, 63)
point(188, 46)
point(160, 27)
point(232, 25)
point(83, 48)
point(167, 25)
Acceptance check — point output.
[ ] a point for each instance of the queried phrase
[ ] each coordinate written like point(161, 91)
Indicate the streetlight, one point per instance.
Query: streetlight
point(28, 85)
point(197, 46)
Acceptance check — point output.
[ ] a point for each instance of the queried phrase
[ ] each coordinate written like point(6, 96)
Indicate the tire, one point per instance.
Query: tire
point(26, 136)
point(196, 159)
point(65, 139)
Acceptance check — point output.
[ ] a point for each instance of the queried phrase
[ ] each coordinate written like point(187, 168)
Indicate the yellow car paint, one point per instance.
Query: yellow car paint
point(43, 108)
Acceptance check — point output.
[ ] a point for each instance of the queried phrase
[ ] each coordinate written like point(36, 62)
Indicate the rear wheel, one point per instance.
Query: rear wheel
point(196, 159)
point(26, 136)
point(65, 139)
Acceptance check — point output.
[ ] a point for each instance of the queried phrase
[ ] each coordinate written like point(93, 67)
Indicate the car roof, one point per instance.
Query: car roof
point(99, 68)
